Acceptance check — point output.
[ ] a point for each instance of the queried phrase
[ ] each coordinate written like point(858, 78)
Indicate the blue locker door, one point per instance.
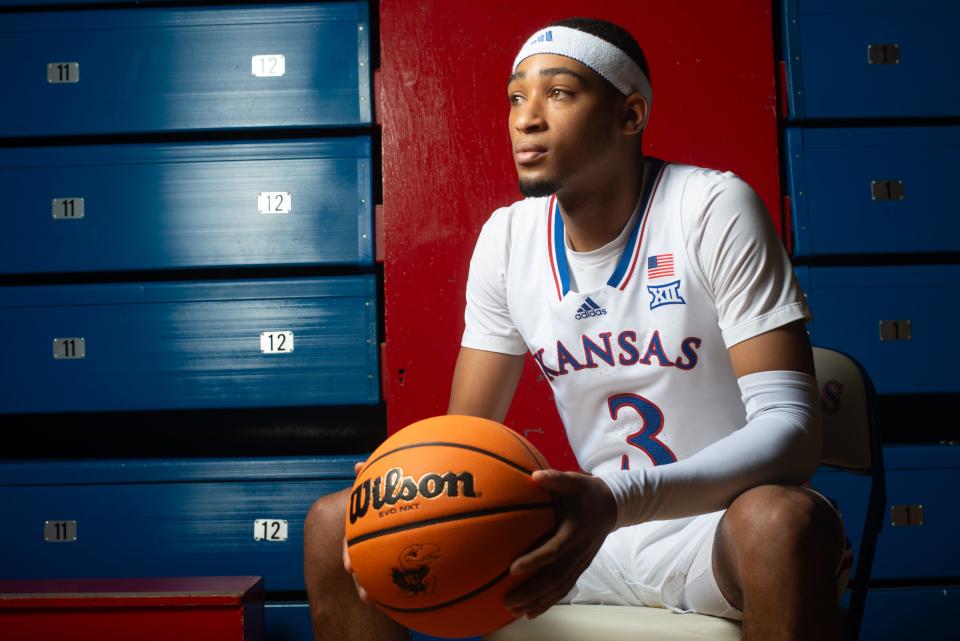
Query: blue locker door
point(88, 208)
point(163, 517)
point(896, 320)
point(155, 69)
point(869, 190)
point(190, 345)
point(855, 59)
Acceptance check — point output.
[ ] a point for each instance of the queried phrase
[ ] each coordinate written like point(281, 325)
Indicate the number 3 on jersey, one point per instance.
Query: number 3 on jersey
point(646, 438)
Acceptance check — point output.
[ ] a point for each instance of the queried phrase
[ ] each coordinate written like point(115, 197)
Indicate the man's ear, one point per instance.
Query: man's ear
point(634, 111)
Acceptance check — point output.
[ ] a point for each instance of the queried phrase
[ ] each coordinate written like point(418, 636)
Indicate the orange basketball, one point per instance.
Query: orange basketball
point(437, 515)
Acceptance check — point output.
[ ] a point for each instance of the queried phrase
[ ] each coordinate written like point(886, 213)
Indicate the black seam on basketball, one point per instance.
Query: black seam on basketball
point(450, 517)
point(446, 444)
point(557, 516)
point(445, 604)
point(469, 595)
point(525, 446)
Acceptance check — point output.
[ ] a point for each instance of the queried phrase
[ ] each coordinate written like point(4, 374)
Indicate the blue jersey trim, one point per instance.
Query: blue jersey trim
point(655, 166)
point(559, 246)
point(560, 251)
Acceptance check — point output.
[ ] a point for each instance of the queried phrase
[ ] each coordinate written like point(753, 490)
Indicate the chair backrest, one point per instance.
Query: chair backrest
point(851, 441)
point(846, 401)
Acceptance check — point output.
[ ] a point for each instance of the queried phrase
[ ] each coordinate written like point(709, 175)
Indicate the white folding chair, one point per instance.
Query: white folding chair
point(851, 443)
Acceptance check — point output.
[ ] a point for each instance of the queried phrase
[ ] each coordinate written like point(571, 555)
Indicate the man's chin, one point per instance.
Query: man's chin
point(538, 188)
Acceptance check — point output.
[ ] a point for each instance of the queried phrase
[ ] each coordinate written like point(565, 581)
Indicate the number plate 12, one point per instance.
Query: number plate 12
point(269, 530)
point(276, 342)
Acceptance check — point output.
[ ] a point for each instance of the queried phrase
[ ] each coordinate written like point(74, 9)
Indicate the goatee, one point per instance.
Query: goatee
point(538, 188)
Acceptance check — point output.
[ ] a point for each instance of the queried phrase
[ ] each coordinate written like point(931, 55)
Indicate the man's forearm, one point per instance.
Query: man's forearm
point(780, 443)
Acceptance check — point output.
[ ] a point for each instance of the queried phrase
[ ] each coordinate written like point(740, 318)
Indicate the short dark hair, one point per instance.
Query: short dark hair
point(612, 33)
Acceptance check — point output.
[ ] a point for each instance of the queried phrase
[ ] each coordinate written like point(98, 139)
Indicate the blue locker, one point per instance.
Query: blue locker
point(68, 3)
point(188, 205)
point(923, 613)
point(163, 517)
point(873, 190)
point(288, 621)
point(889, 59)
point(166, 69)
point(921, 521)
point(188, 345)
point(896, 320)
point(923, 512)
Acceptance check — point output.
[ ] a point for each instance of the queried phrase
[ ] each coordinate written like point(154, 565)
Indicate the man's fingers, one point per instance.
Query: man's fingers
point(545, 588)
point(361, 592)
point(550, 551)
point(358, 466)
point(349, 568)
point(540, 597)
point(346, 557)
point(536, 588)
point(542, 556)
point(557, 481)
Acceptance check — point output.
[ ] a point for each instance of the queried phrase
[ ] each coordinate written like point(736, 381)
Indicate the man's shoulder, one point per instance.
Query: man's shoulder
point(702, 190)
point(705, 179)
point(521, 207)
point(519, 217)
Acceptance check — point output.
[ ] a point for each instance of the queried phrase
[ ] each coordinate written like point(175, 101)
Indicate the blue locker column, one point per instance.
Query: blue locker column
point(871, 145)
point(188, 282)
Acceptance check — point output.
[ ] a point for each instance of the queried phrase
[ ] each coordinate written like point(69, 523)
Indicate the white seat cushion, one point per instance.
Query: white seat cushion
point(617, 623)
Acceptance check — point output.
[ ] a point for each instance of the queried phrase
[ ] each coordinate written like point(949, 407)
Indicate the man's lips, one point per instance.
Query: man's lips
point(528, 153)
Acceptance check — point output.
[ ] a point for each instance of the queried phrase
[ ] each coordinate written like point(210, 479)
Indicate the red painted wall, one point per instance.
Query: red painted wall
point(447, 162)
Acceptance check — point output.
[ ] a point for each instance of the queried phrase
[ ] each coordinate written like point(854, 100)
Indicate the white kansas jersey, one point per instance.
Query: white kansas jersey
point(638, 359)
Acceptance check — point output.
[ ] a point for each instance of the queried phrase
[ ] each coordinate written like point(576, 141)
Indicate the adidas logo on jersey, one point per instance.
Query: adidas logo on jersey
point(589, 309)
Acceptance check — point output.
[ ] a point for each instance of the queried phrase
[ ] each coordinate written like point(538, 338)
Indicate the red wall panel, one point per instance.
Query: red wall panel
point(447, 162)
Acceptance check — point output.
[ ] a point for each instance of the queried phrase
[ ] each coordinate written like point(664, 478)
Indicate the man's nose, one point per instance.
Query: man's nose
point(529, 116)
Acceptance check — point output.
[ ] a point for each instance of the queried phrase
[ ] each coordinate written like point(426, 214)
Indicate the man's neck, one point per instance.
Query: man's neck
point(596, 216)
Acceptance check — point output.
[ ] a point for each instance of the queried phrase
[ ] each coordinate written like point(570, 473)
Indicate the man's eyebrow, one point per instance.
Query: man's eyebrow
point(551, 71)
point(555, 71)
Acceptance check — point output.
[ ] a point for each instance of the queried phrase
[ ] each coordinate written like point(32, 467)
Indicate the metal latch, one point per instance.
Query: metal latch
point(906, 515)
point(895, 330)
point(886, 189)
point(883, 54)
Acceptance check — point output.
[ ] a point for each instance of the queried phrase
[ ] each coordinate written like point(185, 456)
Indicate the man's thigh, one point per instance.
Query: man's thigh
point(646, 564)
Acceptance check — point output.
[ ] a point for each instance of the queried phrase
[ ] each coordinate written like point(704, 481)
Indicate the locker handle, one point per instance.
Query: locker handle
point(896, 330)
point(886, 54)
point(906, 515)
point(886, 189)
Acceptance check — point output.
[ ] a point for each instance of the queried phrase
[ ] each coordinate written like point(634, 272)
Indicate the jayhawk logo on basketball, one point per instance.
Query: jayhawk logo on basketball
point(413, 575)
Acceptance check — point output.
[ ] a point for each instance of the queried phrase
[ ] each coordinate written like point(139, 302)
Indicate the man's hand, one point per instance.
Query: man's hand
point(346, 557)
point(589, 513)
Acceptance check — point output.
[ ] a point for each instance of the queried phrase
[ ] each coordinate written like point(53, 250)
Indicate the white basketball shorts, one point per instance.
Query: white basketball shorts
point(668, 564)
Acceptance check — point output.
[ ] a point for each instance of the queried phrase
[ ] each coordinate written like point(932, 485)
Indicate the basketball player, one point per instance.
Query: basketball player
point(658, 302)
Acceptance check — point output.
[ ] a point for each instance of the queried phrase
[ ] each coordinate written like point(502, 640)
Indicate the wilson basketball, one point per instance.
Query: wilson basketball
point(437, 515)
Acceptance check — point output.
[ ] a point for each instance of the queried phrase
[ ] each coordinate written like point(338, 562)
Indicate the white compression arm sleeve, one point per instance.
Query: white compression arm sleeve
point(780, 443)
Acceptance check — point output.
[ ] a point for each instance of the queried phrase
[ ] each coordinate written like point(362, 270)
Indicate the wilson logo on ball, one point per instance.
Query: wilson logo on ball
point(395, 488)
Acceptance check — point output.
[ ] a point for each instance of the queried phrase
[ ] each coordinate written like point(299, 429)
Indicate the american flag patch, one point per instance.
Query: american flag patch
point(660, 266)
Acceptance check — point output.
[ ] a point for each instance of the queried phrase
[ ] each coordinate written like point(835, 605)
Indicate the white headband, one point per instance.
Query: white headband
point(606, 59)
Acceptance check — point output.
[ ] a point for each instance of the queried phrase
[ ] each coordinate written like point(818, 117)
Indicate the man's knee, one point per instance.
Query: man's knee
point(323, 529)
point(785, 520)
point(326, 515)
